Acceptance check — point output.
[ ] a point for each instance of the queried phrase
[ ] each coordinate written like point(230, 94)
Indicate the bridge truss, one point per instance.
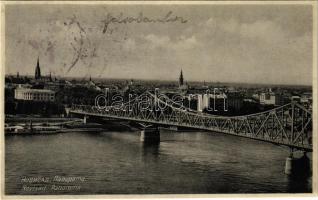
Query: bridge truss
point(289, 125)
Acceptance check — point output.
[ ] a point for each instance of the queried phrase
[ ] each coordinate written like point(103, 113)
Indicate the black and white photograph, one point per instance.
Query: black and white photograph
point(159, 98)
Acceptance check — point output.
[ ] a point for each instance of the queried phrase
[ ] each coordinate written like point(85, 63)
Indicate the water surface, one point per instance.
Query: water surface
point(118, 163)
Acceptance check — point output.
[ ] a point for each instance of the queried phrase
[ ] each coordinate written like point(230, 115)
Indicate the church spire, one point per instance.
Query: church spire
point(37, 70)
point(181, 78)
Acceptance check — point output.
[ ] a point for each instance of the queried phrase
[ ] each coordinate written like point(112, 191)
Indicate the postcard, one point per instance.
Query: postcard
point(159, 98)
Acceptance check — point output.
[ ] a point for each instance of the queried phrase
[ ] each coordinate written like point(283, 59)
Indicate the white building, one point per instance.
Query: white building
point(267, 98)
point(34, 94)
point(200, 103)
point(204, 100)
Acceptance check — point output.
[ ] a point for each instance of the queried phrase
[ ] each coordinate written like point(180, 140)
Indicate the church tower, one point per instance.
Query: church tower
point(37, 70)
point(181, 79)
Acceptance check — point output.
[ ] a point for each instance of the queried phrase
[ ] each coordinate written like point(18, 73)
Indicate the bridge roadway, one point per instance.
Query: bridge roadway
point(289, 125)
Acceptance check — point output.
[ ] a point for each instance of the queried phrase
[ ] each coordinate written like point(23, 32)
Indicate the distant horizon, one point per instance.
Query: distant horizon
point(166, 80)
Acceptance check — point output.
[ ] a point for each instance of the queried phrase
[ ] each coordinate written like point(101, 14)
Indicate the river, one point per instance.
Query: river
point(118, 163)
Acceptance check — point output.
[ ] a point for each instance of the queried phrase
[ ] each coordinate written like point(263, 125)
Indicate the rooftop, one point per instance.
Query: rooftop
point(35, 90)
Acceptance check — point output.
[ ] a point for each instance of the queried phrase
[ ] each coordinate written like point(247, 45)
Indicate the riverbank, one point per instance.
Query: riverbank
point(28, 118)
point(46, 132)
point(37, 125)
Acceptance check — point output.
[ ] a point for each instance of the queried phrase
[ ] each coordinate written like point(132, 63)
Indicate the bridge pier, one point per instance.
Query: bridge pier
point(67, 111)
point(173, 128)
point(150, 135)
point(290, 162)
point(297, 167)
point(85, 119)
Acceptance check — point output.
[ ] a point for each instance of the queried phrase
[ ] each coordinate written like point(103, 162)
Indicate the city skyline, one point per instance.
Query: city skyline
point(90, 78)
point(259, 45)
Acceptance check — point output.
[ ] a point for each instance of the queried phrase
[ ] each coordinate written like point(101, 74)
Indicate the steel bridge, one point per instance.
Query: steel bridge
point(289, 125)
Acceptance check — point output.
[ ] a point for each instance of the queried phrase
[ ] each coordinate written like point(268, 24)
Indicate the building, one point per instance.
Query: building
point(92, 85)
point(267, 98)
point(38, 77)
point(209, 102)
point(206, 100)
point(182, 86)
point(234, 101)
point(271, 98)
point(306, 98)
point(29, 94)
point(181, 79)
point(296, 98)
point(200, 105)
point(281, 99)
point(37, 70)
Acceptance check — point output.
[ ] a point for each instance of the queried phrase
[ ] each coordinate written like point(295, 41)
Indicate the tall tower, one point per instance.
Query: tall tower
point(181, 79)
point(37, 70)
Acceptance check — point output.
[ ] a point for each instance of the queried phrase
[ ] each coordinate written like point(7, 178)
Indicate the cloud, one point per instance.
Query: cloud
point(181, 44)
point(263, 30)
point(240, 46)
point(129, 44)
point(185, 43)
point(157, 41)
point(227, 50)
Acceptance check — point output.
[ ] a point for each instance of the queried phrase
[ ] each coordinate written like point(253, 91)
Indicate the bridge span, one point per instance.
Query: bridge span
point(289, 125)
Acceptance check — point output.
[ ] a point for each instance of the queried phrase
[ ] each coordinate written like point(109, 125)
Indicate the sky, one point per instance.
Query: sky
point(266, 44)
